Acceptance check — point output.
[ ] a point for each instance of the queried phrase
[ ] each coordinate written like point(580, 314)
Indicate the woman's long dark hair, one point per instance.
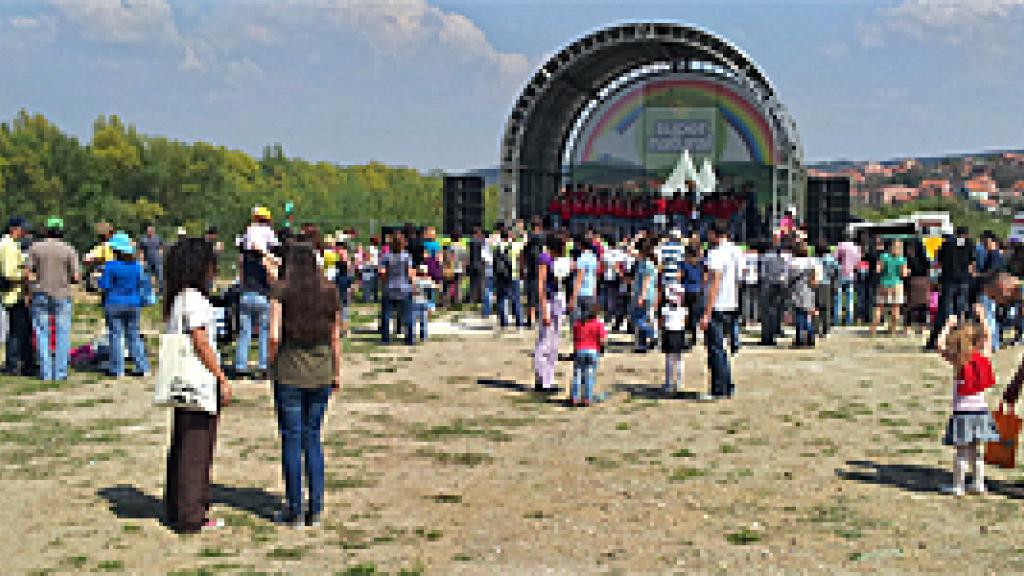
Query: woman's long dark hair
point(308, 302)
point(188, 264)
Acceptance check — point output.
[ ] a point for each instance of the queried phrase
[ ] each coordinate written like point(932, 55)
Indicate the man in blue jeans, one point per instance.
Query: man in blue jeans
point(253, 309)
point(724, 262)
point(52, 267)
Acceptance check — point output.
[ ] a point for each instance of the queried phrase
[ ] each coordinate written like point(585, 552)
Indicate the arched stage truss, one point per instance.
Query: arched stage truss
point(546, 121)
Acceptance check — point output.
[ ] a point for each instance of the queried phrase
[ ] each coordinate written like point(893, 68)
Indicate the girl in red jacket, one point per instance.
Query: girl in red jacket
point(966, 347)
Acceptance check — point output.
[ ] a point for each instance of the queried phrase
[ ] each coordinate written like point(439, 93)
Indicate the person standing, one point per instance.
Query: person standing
point(552, 305)
point(253, 310)
point(827, 276)
point(191, 269)
point(12, 296)
point(919, 286)
point(305, 354)
point(534, 246)
point(611, 282)
point(396, 267)
point(584, 293)
point(801, 288)
point(722, 302)
point(506, 279)
point(773, 275)
point(891, 269)
point(52, 267)
point(955, 261)
point(645, 295)
point(153, 255)
point(476, 267)
point(848, 255)
point(123, 283)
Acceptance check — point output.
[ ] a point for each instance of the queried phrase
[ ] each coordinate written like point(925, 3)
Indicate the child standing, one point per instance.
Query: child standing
point(423, 293)
point(966, 347)
point(589, 338)
point(673, 338)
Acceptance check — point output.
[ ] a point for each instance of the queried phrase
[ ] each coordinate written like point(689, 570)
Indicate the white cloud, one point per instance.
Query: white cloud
point(191, 61)
point(244, 71)
point(402, 25)
point(953, 21)
point(122, 21)
point(25, 22)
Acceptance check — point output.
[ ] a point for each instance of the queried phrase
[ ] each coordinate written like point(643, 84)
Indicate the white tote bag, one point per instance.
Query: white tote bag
point(181, 379)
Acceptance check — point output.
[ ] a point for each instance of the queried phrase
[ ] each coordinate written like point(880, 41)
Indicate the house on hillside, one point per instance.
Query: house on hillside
point(979, 188)
point(893, 194)
point(935, 189)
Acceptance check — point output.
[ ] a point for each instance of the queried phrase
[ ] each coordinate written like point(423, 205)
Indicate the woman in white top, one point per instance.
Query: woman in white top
point(190, 269)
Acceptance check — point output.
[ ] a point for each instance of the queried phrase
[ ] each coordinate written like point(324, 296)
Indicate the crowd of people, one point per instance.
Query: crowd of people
point(665, 285)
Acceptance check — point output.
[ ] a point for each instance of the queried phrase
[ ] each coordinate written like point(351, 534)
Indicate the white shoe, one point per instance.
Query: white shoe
point(952, 490)
point(978, 490)
point(706, 398)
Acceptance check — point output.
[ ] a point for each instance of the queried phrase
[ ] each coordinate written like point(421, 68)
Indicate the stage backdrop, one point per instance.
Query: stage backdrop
point(641, 130)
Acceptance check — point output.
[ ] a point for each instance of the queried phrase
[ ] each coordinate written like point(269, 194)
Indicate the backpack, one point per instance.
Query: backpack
point(502, 264)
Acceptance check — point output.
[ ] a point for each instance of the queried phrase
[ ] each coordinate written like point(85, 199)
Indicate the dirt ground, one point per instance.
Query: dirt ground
point(441, 461)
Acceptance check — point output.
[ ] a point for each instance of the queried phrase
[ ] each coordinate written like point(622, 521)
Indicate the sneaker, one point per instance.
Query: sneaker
point(706, 397)
point(287, 519)
point(978, 490)
point(952, 490)
point(313, 520)
point(212, 524)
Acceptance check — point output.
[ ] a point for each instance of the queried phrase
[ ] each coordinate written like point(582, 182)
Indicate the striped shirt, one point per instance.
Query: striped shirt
point(671, 256)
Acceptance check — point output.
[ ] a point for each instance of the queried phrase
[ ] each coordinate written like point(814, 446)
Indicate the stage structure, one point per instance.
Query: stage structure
point(616, 108)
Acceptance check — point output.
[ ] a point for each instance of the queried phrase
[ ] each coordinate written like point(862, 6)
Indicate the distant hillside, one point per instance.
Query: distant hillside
point(836, 165)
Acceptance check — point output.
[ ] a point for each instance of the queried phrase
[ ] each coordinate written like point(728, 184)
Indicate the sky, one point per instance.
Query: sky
point(429, 83)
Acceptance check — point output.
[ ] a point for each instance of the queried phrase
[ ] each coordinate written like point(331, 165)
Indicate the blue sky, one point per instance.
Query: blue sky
point(428, 83)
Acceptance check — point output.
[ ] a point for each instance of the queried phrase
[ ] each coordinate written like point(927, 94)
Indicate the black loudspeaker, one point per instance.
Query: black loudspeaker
point(828, 208)
point(463, 204)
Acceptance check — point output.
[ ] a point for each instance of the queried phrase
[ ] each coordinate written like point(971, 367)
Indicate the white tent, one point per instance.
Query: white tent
point(683, 172)
point(706, 180)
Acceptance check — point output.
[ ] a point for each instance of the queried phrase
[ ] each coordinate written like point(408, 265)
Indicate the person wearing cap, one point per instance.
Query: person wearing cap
point(12, 297)
point(123, 283)
point(101, 253)
point(53, 268)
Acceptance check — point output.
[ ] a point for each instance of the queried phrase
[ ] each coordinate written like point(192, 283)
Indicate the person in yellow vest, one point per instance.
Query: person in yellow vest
point(12, 297)
point(100, 254)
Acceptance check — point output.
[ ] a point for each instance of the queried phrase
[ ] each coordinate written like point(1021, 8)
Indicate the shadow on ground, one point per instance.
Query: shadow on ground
point(128, 502)
point(916, 478)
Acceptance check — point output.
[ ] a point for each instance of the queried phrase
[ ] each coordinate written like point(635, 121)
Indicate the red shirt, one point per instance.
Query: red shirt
point(555, 206)
point(588, 335)
point(676, 206)
point(660, 206)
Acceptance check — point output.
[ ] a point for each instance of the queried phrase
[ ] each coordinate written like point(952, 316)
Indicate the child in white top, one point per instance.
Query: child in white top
point(423, 291)
point(673, 337)
point(966, 347)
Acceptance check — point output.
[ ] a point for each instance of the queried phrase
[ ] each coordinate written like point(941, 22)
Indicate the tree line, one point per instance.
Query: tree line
point(131, 180)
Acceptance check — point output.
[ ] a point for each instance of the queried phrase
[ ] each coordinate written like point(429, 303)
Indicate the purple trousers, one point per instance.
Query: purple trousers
point(545, 352)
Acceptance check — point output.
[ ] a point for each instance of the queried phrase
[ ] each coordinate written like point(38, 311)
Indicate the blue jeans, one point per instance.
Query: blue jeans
point(421, 316)
point(155, 268)
point(640, 319)
point(300, 412)
point(953, 301)
point(718, 360)
point(488, 296)
point(53, 367)
point(370, 289)
point(584, 368)
point(124, 326)
point(804, 327)
point(401, 306)
point(844, 303)
point(252, 308)
point(992, 319)
point(509, 300)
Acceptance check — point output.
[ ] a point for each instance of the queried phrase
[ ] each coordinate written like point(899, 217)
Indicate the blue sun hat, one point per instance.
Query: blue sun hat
point(121, 242)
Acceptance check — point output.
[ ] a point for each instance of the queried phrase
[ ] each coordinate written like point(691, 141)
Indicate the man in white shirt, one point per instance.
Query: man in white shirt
point(724, 262)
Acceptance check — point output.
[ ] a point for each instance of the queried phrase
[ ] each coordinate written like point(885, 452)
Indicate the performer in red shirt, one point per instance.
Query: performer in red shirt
point(555, 210)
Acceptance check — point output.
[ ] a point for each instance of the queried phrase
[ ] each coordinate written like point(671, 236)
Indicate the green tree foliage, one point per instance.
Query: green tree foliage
point(130, 179)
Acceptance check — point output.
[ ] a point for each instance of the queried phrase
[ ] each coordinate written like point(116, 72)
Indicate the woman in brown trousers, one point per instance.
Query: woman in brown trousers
point(190, 269)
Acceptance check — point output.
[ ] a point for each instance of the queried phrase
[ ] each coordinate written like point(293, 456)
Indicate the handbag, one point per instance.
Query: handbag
point(182, 381)
point(1004, 452)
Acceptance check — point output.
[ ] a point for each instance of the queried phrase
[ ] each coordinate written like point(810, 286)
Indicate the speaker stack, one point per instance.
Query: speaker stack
point(463, 204)
point(828, 208)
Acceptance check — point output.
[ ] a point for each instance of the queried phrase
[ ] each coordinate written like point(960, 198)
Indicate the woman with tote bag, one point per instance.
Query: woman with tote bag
point(190, 269)
point(305, 363)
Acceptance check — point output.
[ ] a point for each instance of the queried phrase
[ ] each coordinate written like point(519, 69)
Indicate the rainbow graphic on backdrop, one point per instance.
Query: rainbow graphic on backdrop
point(736, 110)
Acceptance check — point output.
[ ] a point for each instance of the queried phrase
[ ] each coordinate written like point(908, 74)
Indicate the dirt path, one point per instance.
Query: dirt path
point(439, 461)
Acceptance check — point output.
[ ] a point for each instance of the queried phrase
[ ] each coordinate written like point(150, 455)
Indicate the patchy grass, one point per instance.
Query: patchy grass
point(446, 498)
point(286, 554)
point(686, 473)
point(601, 462)
point(743, 537)
point(456, 458)
point(683, 453)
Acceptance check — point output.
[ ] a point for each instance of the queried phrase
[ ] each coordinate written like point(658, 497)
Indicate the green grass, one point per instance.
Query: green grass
point(601, 462)
point(456, 458)
point(447, 498)
point(686, 473)
point(460, 429)
point(848, 411)
point(365, 569)
point(286, 553)
point(683, 453)
point(215, 553)
point(110, 566)
point(743, 537)
point(622, 426)
point(431, 535)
